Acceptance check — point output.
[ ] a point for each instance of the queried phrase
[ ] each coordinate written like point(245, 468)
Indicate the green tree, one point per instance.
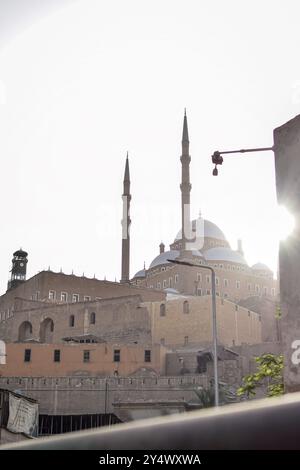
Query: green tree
point(269, 373)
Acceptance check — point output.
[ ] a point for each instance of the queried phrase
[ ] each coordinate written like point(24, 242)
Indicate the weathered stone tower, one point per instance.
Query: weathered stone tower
point(18, 271)
point(126, 221)
point(185, 185)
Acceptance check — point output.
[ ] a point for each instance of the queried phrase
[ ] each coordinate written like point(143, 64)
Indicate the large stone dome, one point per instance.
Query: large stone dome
point(261, 267)
point(211, 230)
point(162, 258)
point(224, 254)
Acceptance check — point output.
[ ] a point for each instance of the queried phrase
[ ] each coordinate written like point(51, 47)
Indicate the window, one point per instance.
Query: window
point(207, 291)
point(199, 277)
point(86, 298)
point(186, 307)
point(225, 282)
point(273, 291)
point(64, 296)
point(164, 284)
point(265, 290)
point(217, 281)
point(207, 279)
point(163, 269)
point(238, 284)
point(249, 286)
point(186, 340)
point(86, 356)
point(236, 307)
point(93, 318)
point(158, 285)
point(257, 288)
point(176, 278)
point(162, 341)
point(147, 355)
point(75, 298)
point(56, 355)
point(225, 296)
point(37, 295)
point(27, 355)
point(72, 321)
point(218, 294)
point(52, 295)
point(162, 310)
point(199, 291)
point(221, 266)
point(117, 355)
point(170, 282)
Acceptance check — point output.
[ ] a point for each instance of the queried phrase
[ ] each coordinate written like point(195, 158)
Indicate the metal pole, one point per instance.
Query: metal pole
point(214, 334)
point(214, 321)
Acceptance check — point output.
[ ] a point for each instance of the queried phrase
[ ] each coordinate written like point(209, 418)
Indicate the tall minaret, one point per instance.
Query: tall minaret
point(126, 224)
point(185, 184)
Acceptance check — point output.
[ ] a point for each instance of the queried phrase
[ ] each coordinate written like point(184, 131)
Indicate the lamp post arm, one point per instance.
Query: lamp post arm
point(214, 320)
point(217, 158)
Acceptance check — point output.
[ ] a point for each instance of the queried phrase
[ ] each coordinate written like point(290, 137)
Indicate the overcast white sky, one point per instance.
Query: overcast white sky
point(83, 83)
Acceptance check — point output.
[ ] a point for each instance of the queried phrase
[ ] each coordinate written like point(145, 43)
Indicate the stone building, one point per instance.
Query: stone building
point(52, 288)
point(187, 321)
point(176, 321)
point(205, 244)
point(106, 347)
point(96, 359)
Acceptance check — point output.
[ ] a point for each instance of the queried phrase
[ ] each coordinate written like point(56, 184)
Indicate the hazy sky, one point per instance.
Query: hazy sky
point(82, 84)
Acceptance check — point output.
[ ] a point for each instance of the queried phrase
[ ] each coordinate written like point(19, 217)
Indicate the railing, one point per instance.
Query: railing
point(272, 423)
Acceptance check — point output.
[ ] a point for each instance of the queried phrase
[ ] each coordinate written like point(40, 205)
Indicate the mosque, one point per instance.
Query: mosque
point(204, 244)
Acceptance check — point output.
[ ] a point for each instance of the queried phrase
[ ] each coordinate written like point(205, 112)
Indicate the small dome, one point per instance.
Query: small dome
point(20, 254)
point(141, 273)
point(261, 267)
point(170, 290)
point(163, 258)
point(211, 230)
point(224, 254)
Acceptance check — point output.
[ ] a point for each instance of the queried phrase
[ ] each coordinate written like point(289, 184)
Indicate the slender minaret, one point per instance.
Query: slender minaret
point(185, 184)
point(126, 224)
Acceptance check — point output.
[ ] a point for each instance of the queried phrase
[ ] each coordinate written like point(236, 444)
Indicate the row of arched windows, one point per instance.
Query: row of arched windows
point(45, 334)
point(46, 328)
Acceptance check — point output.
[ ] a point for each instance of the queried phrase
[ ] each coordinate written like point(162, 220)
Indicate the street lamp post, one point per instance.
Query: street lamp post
point(217, 159)
point(214, 321)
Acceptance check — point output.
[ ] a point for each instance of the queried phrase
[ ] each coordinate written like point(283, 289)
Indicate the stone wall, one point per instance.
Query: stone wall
point(175, 328)
point(82, 395)
point(39, 286)
point(190, 280)
point(72, 361)
point(287, 162)
point(119, 319)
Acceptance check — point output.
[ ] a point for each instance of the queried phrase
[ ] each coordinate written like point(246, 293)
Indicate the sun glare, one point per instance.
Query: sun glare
point(285, 223)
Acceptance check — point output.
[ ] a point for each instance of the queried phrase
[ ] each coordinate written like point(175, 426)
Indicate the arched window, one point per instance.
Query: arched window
point(71, 320)
point(25, 331)
point(93, 318)
point(162, 310)
point(46, 331)
point(186, 307)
